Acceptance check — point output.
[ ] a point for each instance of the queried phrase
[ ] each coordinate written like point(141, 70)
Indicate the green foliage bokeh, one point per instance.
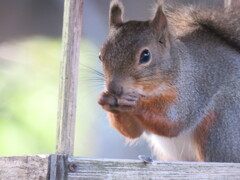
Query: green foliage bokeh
point(29, 96)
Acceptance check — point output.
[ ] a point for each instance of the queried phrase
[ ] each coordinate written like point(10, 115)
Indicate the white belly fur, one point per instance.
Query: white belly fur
point(180, 148)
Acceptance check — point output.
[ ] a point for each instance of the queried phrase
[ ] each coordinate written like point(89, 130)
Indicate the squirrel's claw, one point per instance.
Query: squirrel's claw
point(128, 100)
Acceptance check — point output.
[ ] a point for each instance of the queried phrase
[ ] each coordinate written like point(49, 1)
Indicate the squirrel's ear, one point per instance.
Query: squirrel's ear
point(159, 23)
point(115, 13)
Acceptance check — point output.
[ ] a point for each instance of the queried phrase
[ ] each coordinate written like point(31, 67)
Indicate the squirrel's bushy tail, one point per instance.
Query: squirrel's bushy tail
point(222, 22)
point(225, 24)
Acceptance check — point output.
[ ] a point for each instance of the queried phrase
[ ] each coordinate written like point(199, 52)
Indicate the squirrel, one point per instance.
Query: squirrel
point(175, 80)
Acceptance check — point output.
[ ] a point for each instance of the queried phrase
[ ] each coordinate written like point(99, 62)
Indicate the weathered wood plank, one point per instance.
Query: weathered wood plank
point(24, 167)
point(84, 168)
point(60, 167)
point(69, 76)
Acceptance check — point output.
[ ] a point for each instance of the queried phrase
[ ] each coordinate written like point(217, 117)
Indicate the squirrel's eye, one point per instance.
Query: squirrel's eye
point(145, 57)
point(99, 56)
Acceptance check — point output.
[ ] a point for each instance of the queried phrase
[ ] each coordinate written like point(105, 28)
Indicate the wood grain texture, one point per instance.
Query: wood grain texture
point(69, 76)
point(60, 167)
point(137, 170)
point(24, 167)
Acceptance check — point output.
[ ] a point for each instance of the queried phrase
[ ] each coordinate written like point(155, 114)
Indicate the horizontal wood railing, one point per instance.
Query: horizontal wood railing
point(51, 167)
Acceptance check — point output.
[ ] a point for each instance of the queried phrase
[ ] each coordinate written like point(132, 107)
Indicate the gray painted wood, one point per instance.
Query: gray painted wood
point(24, 167)
point(72, 28)
point(137, 170)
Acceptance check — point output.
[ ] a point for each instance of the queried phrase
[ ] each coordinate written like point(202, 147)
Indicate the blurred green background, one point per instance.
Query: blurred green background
point(28, 88)
point(29, 94)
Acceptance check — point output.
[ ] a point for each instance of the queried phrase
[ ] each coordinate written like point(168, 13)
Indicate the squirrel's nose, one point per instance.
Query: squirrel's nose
point(115, 89)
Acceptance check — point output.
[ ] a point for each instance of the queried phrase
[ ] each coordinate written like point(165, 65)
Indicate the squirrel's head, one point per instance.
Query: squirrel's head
point(136, 54)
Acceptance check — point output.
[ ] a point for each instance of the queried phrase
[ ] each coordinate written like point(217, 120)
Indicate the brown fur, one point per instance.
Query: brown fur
point(202, 132)
point(152, 114)
point(153, 117)
point(115, 13)
point(126, 125)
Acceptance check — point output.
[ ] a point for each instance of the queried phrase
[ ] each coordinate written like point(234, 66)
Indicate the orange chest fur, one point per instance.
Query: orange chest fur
point(160, 104)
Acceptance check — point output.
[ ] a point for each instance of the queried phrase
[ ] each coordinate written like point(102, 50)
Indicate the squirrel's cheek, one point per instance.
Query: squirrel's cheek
point(128, 85)
point(132, 90)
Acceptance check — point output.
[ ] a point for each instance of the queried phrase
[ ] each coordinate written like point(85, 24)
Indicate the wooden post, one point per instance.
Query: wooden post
point(227, 4)
point(72, 27)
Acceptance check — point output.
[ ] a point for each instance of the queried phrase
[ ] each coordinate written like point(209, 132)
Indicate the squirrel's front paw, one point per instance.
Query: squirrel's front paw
point(107, 99)
point(125, 103)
